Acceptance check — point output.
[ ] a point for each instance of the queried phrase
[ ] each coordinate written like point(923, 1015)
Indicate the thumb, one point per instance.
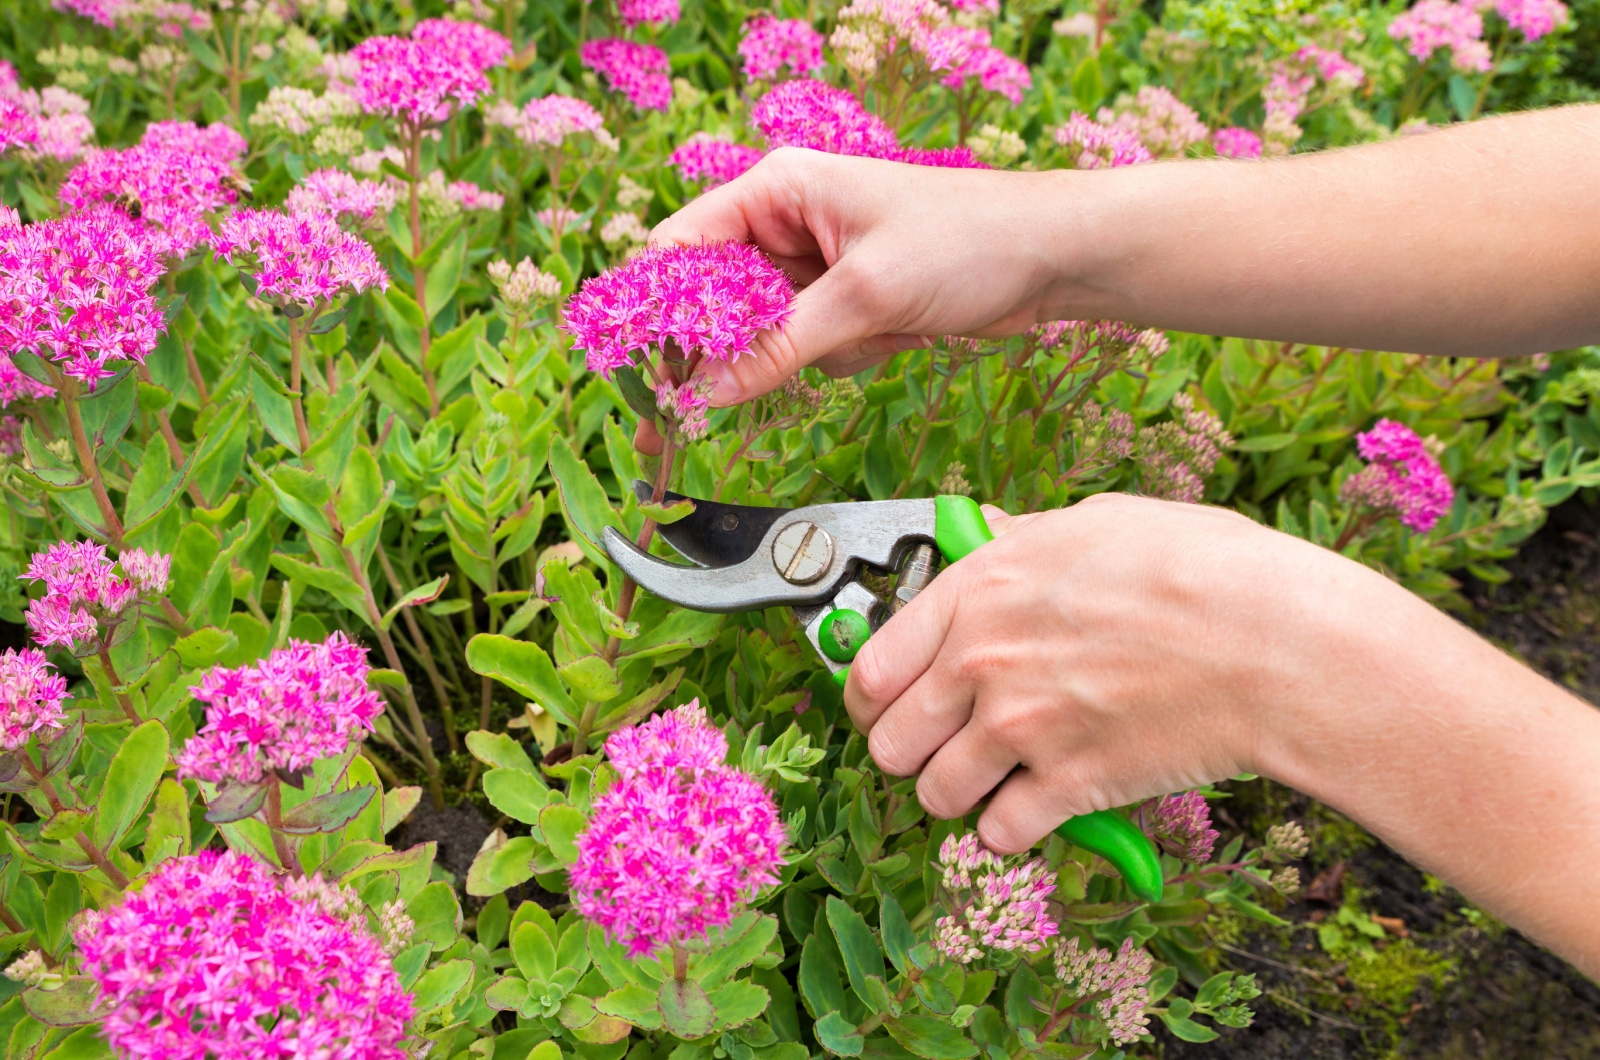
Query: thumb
point(1001, 524)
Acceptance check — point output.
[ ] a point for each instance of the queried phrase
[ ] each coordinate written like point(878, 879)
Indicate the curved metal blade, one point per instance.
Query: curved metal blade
point(714, 534)
point(747, 586)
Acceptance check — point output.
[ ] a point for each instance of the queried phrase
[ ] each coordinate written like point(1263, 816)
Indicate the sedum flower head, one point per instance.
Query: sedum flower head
point(559, 218)
point(997, 146)
point(992, 907)
point(1287, 842)
point(1430, 26)
point(465, 43)
point(1175, 457)
point(1091, 145)
point(709, 300)
point(31, 695)
point(1533, 18)
point(333, 191)
point(680, 842)
point(964, 55)
point(300, 111)
point(1181, 825)
point(1234, 142)
point(298, 259)
point(83, 589)
point(1117, 983)
point(417, 83)
point(549, 120)
point(303, 702)
point(638, 71)
point(814, 114)
point(704, 159)
point(523, 287)
point(1402, 478)
point(215, 958)
point(638, 12)
point(1161, 121)
point(770, 46)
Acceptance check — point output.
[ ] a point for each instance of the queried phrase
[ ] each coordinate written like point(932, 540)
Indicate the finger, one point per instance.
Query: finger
point(962, 772)
point(895, 656)
point(647, 439)
point(1021, 813)
point(765, 206)
point(869, 353)
point(918, 723)
point(1001, 524)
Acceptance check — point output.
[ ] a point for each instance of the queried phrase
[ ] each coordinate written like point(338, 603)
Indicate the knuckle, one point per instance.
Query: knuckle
point(870, 683)
point(1013, 726)
point(889, 752)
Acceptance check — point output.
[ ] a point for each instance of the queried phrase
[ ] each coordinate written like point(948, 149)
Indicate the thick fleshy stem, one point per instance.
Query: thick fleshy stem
point(1358, 526)
point(280, 839)
point(680, 963)
point(174, 617)
point(296, 341)
point(873, 1022)
point(111, 675)
point(68, 391)
point(419, 270)
point(87, 845)
point(12, 924)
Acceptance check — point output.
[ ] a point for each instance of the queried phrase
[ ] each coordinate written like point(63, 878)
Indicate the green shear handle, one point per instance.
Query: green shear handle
point(959, 530)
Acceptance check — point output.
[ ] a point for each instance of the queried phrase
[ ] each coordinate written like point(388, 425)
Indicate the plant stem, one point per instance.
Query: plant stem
point(680, 963)
point(873, 1022)
point(296, 339)
point(111, 675)
point(1357, 527)
point(424, 653)
point(87, 845)
point(68, 391)
point(419, 270)
point(280, 840)
point(12, 924)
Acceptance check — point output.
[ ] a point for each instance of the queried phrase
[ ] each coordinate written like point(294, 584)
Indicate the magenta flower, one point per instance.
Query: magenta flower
point(807, 113)
point(303, 702)
point(298, 259)
point(638, 71)
point(963, 54)
point(703, 158)
point(1234, 142)
point(1119, 981)
point(466, 43)
point(549, 120)
point(992, 907)
point(1332, 66)
point(1161, 121)
point(415, 83)
point(215, 959)
point(1402, 478)
point(333, 191)
point(1091, 145)
point(1181, 825)
point(707, 300)
point(83, 589)
point(17, 125)
point(637, 12)
point(1533, 18)
point(1432, 25)
point(30, 696)
point(220, 143)
point(772, 45)
point(76, 290)
point(680, 842)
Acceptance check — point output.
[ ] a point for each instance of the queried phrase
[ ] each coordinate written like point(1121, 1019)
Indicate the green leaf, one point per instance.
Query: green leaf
point(236, 802)
point(1187, 1029)
point(532, 950)
point(931, 1038)
point(525, 669)
point(517, 793)
point(636, 392)
point(592, 678)
point(667, 514)
point(441, 986)
point(72, 1004)
point(168, 818)
point(335, 583)
point(498, 749)
point(633, 1002)
point(204, 647)
point(685, 1009)
point(422, 594)
point(501, 867)
point(1088, 86)
point(327, 813)
point(445, 276)
point(1266, 443)
point(583, 500)
point(130, 781)
point(862, 957)
point(820, 984)
point(561, 825)
point(398, 804)
point(742, 941)
point(898, 938)
point(738, 1002)
point(838, 1035)
point(1464, 101)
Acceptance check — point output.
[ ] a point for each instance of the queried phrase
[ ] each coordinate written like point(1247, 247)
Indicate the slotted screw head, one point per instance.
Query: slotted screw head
point(802, 552)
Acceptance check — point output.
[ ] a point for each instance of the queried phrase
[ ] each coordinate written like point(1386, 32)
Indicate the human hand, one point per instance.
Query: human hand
point(1108, 652)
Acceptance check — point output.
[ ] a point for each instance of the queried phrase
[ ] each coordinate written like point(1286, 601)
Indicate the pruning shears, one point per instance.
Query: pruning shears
point(812, 560)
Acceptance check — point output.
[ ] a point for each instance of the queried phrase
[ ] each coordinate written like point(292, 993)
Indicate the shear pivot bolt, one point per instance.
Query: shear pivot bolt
point(802, 552)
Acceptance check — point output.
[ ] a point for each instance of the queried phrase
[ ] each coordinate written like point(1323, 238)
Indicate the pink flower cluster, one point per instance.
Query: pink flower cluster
point(1175, 457)
point(549, 120)
point(707, 300)
point(1402, 478)
point(638, 71)
point(991, 907)
point(772, 45)
point(1158, 119)
point(172, 181)
point(83, 589)
point(1433, 25)
point(298, 259)
point(1181, 825)
point(637, 12)
point(333, 191)
point(30, 696)
point(686, 406)
point(813, 114)
point(50, 125)
point(1332, 66)
point(420, 80)
point(680, 842)
point(707, 160)
point(170, 17)
point(1091, 145)
point(1533, 18)
point(214, 957)
point(964, 54)
point(1120, 981)
point(303, 702)
point(1234, 142)
point(76, 290)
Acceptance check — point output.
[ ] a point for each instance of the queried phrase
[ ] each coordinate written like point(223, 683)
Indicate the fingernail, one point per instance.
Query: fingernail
point(725, 388)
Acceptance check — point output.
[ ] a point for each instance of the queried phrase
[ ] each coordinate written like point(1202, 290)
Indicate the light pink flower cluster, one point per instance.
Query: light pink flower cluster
point(549, 120)
point(30, 696)
point(1433, 25)
point(333, 191)
point(421, 80)
point(469, 196)
point(707, 300)
point(50, 125)
point(705, 159)
point(870, 32)
point(813, 114)
point(1234, 142)
point(1090, 145)
point(1175, 457)
point(1287, 90)
point(680, 841)
point(76, 290)
point(169, 17)
point(1181, 824)
point(964, 54)
point(1119, 980)
point(686, 406)
point(992, 907)
point(1332, 66)
point(1402, 478)
point(17, 125)
point(1160, 120)
point(298, 259)
point(561, 219)
point(637, 12)
point(213, 958)
point(1533, 18)
point(173, 180)
point(771, 46)
point(83, 590)
point(303, 702)
point(638, 71)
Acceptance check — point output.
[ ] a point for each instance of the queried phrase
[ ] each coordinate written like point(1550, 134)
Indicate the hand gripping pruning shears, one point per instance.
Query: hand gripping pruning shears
point(812, 559)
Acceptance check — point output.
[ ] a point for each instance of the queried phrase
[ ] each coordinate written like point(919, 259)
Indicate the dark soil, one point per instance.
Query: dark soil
point(1502, 997)
point(459, 831)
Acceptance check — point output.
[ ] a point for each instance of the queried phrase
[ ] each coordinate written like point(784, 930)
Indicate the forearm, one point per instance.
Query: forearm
point(1479, 240)
point(1468, 763)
